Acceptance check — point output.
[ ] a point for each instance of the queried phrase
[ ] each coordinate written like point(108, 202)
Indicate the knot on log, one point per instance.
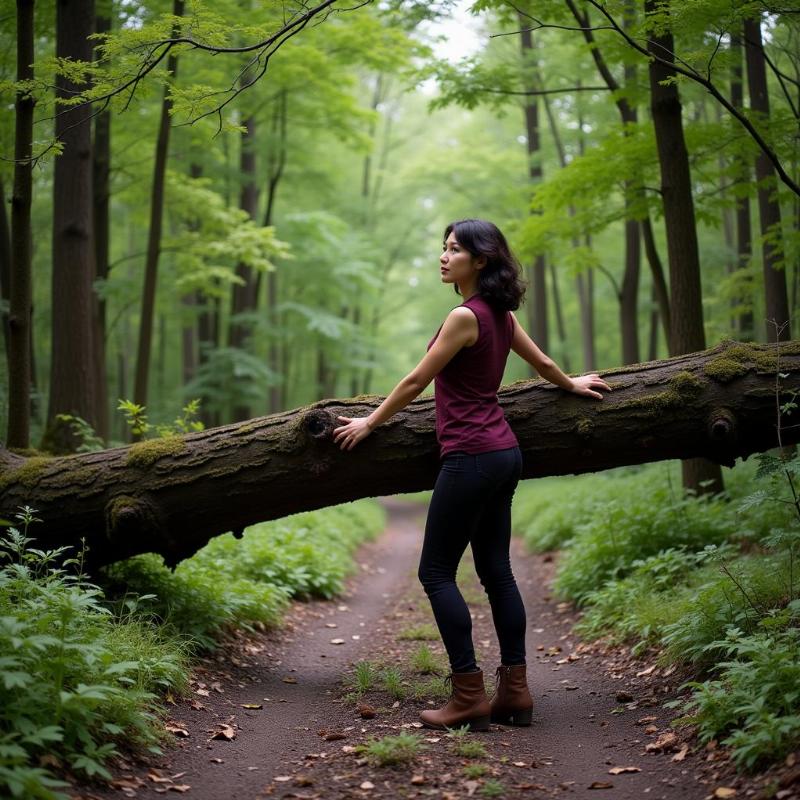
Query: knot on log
point(721, 426)
point(126, 515)
point(318, 424)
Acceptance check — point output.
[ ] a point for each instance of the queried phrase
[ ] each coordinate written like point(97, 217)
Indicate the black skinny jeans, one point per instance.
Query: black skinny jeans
point(471, 503)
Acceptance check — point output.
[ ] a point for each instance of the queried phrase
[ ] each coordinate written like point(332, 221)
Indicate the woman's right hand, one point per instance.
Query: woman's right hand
point(350, 435)
point(586, 384)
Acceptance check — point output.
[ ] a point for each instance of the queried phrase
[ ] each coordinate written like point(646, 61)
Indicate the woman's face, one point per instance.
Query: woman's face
point(457, 264)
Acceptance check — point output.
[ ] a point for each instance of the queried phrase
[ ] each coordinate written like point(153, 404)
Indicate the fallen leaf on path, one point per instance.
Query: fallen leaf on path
point(128, 783)
point(667, 741)
point(255, 706)
point(417, 780)
point(177, 729)
point(335, 736)
point(648, 671)
point(601, 785)
point(366, 711)
point(156, 778)
point(226, 732)
point(216, 760)
point(724, 791)
point(202, 692)
point(651, 729)
point(180, 787)
point(624, 697)
point(643, 720)
point(520, 764)
point(303, 780)
point(197, 705)
point(289, 679)
point(367, 785)
point(681, 754)
point(471, 786)
point(620, 770)
point(337, 641)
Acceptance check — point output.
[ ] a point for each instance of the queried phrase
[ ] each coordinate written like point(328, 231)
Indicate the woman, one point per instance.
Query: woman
point(480, 467)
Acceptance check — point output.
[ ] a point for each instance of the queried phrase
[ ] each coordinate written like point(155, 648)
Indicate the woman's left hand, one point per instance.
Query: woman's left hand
point(350, 435)
point(586, 384)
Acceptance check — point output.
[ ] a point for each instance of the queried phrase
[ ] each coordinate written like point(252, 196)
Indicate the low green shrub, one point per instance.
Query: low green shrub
point(75, 680)
point(753, 705)
point(240, 582)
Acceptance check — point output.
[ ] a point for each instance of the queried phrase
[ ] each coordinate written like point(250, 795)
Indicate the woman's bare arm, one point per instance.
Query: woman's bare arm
point(527, 349)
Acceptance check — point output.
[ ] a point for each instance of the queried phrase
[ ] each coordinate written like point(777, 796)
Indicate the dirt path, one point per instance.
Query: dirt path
point(592, 712)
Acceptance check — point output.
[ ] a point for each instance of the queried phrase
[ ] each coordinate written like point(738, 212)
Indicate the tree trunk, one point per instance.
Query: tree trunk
point(244, 297)
point(5, 272)
point(537, 310)
point(745, 328)
point(660, 291)
point(276, 165)
point(143, 350)
point(101, 198)
point(172, 495)
point(769, 210)
point(686, 334)
point(72, 373)
point(20, 285)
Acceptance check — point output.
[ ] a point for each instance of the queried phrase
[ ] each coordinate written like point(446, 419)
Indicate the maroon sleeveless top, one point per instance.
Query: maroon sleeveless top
point(468, 416)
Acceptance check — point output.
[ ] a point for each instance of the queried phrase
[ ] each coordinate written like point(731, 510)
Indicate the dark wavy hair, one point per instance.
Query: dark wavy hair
point(499, 282)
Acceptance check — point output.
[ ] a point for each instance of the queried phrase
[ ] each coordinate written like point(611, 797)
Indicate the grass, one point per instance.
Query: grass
point(422, 632)
point(390, 751)
point(473, 771)
point(464, 745)
point(426, 662)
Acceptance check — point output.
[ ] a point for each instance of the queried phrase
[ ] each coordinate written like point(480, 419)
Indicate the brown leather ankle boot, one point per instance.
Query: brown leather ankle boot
point(468, 704)
point(512, 703)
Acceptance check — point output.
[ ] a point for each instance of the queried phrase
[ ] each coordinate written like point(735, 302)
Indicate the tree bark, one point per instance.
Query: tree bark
point(72, 373)
point(101, 199)
point(5, 271)
point(537, 310)
point(244, 297)
point(769, 209)
point(20, 287)
point(144, 347)
point(686, 334)
point(172, 495)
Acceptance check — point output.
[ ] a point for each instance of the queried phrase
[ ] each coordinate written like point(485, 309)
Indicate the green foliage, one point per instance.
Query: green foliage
point(231, 582)
point(136, 419)
point(390, 751)
point(754, 704)
point(464, 745)
point(425, 631)
point(425, 661)
point(83, 432)
point(75, 679)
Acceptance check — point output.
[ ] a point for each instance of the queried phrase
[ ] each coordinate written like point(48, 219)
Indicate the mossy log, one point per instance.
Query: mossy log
point(172, 495)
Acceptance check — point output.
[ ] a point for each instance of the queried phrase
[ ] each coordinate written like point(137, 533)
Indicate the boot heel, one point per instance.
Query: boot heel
point(522, 717)
point(479, 724)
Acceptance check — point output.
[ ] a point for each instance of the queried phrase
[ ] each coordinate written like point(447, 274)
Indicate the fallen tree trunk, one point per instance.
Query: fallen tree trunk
point(172, 495)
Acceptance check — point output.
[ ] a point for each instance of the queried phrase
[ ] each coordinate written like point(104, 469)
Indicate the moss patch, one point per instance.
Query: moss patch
point(27, 474)
point(739, 358)
point(144, 454)
point(686, 383)
point(584, 426)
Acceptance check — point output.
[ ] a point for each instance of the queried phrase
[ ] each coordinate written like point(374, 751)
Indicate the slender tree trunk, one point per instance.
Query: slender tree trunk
point(21, 283)
point(769, 210)
point(744, 246)
point(652, 348)
point(537, 310)
point(244, 297)
point(687, 334)
point(72, 372)
point(144, 347)
point(5, 272)
point(101, 198)
point(276, 166)
point(189, 302)
point(660, 290)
